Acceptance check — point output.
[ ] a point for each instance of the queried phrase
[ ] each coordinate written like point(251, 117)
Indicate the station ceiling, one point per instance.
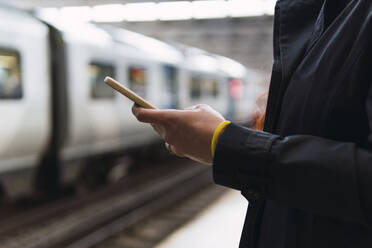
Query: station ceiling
point(29, 4)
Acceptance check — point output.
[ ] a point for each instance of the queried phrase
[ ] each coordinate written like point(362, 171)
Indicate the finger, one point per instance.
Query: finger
point(148, 115)
point(134, 108)
point(156, 116)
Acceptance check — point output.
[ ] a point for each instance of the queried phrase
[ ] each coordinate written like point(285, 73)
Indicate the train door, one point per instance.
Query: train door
point(138, 74)
point(206, 88)
point(169, 84)
point(216, 93)
point(101, 103)
point(94, 126)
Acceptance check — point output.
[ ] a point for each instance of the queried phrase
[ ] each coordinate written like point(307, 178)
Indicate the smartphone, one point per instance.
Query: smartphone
point(128, 93)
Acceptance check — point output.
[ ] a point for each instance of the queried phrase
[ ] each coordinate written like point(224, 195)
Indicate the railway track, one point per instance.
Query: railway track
point(88, 220)
point(149, 232)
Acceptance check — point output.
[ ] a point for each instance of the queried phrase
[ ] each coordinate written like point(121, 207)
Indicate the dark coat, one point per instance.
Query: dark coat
point(308, 178)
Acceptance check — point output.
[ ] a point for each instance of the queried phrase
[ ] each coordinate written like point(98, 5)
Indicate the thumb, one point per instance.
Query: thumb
point(148, 115)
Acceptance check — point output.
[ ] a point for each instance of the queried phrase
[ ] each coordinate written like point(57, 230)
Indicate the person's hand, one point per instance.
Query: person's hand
point(187, 133)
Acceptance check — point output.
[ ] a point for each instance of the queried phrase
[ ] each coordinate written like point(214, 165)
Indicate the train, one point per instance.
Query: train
point(60, 121)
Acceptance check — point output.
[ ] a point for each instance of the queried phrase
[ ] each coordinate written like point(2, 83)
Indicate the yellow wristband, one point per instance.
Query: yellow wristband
point(217, 134)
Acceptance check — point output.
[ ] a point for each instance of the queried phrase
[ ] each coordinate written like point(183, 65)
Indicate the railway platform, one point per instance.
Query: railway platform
point(217, 226)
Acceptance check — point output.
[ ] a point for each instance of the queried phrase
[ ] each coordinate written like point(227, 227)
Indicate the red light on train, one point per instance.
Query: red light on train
point(236, 88)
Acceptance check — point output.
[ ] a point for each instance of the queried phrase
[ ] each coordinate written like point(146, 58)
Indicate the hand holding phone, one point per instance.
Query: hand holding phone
point(128, 93)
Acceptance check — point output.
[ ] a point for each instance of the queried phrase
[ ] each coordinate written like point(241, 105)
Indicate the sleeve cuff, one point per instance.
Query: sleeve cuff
point(242, 159)
point(221, 127)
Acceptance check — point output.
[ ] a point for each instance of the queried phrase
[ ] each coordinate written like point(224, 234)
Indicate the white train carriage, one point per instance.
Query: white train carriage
point(99, 120)
point(59, 114)
point(25, 128)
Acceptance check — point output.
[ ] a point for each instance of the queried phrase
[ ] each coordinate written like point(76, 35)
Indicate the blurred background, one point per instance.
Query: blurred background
point(76, 168)
point(238, 29)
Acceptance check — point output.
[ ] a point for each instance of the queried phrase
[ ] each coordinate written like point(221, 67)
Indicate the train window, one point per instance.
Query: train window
point(137, 80)
point(97, 73)
point(10, 75)
point(210, 87)
point(195, 87)
point(171, 86)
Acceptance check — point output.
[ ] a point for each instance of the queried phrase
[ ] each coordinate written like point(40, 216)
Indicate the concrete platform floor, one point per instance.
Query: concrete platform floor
point(218, 226)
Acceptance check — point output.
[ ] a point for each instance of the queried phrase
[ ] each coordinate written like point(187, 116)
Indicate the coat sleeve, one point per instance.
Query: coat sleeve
point(316, 175)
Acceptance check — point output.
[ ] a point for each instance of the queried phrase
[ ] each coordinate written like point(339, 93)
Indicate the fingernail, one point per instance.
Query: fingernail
point(134, 110)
